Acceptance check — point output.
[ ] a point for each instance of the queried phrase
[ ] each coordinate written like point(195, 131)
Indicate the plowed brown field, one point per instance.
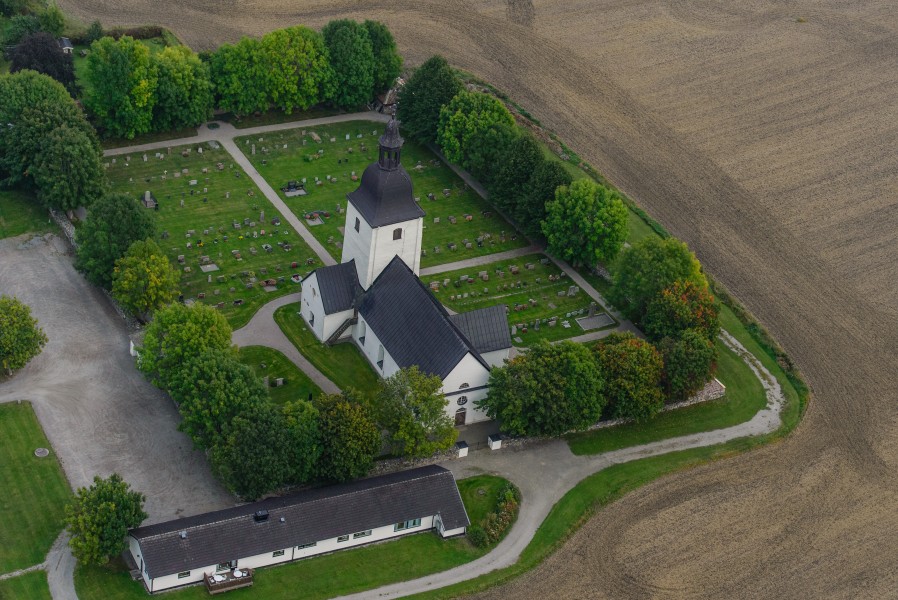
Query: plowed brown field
point(764, 133)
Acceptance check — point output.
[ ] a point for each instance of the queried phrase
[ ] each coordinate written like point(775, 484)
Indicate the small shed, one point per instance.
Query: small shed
point(65, 44)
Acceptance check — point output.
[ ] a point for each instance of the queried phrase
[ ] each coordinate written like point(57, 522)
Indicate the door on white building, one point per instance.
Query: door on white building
point(460, 416)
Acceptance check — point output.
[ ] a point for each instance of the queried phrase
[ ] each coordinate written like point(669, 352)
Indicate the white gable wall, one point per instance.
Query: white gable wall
point(370, 348)
point(496, 358)
point(468, 371)
point(357, 245)
point(311, 303)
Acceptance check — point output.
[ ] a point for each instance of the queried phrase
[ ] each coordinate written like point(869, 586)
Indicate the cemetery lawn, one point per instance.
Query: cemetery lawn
point(20, 213)
point(743, 399)
point(342, 363)
point(297, 385)
point(243, 264)
point(321, 577)
point(35, 490)
point(283, 165)
point(30, 586)
point(522, 312)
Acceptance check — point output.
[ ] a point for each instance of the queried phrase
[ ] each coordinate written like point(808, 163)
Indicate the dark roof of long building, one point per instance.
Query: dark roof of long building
point(385, 196)
point(485, 328)
point(302, 518)
point(339, 286)
point(412, 325)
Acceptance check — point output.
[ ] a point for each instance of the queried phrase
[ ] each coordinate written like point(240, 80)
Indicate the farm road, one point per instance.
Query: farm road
point(763, 134)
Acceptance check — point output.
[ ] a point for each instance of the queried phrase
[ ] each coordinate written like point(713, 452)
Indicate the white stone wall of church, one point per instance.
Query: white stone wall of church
point(496, 358)
point(311, 304)
point(470, 371)
point(408, 247)
point(357, 244)
point(371, 347)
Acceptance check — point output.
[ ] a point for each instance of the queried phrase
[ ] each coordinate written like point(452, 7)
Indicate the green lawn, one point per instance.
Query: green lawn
point(429, 176)
point(744, 398)
point(342, 363)
point(34, 490)
point(275, 116)
point(219, 200)
point(336, 574)
point(20, 213)
point(529, 295)
point(149, 138)
point(268, 362)
point(30, 586)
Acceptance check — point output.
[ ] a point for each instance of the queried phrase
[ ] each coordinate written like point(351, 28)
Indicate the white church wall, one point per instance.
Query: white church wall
point(471, 372)
point(496, 358)
point(357, 244)
point(408, 247)
point(370, 348)
point(311, 305)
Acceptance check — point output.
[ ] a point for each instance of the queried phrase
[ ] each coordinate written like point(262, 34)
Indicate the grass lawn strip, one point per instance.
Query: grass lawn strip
point(342, 363)
point(231, 200)
point(34, 490)
point(297, 385)
point(278, 165)
point(21, 213)
point(327, 576)
point(30, 586)
point(530, 296)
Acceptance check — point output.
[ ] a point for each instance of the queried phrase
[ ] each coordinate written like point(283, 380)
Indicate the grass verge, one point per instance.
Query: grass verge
point(297, 385)
point(20, 213)
point(30, 586)
point(34, 490)
point(343, 363)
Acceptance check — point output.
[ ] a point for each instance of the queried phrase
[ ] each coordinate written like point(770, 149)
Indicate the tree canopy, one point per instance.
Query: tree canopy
point(680, 306)
point(475, 130)
point(432, 85)
point(530, 210)
point(52, 20)
point(301, 420)
point(513, 175)
point(19, 27)
point(348, 437)
point(68, 173)
point(114, 222)
point(586, 223)
point(549, 390)
point(689, 362)
point(121, 85)
point(183, 89)
point(144, 280)
point(648, 267)
point(99, 517)
point(412, 410)
point(211, 390)
point(20, 337)
point(40, 52)
point(240, 76)
point(632, 371)
point(299, 74)
point(176, 334)
point(352, 59)
point(387, 61)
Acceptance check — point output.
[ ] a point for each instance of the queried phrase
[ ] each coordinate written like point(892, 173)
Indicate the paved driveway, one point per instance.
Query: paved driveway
point(99, 413)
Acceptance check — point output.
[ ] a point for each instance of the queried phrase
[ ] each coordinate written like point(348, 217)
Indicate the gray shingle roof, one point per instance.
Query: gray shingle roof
point(412, 325)
point(309, 516)
point(485, 328)
point(385, 196)
point(339, 286)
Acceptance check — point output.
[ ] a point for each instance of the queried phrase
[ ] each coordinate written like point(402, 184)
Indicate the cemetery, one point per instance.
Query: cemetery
point(216, 226)
point(542, 302)
point(284, 380)
point(327, 162)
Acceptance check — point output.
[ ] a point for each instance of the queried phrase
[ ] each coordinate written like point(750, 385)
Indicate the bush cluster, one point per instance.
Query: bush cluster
point(491, 529)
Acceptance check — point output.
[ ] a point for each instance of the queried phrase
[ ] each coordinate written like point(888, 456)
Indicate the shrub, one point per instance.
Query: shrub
point(478, 537)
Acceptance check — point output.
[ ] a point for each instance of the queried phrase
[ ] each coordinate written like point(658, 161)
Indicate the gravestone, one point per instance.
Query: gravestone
point(572, 291)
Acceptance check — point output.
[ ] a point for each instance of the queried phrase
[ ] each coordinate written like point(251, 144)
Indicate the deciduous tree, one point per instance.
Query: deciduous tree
point(9, 8)
point(240, 76)
point(530, 211)
point(689, 362)
point(299, 72)
point(121, 86)
point(586, 223)
point(52, 20)
point(348, 436)
point(412, 409)
point(178, 332)
point(649, 266)
point(144, 280)
point(513, 175)
point(113, 223)
point(211, 390)
point(352, 59)
point(40, 52)
point(183, 90)
point(387, 61)
point(20, 337)
point(68, 172)
point(680, 306)
point(475, 129)
point(19, 27)
point(632, 370)
point(99, 517)
point(549, 390)
point(94, 32)
point(432, 86)
point(301, 419)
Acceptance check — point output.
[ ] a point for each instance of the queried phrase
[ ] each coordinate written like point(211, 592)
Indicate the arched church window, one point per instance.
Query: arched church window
point(397, 233)
point(463, 386)
point(462, 401)
point(358, 224)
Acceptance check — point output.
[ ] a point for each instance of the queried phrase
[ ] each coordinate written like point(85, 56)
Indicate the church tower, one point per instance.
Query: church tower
point(382, 218)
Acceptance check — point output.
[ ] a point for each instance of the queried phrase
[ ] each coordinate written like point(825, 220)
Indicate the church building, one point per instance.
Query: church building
point(375, 299)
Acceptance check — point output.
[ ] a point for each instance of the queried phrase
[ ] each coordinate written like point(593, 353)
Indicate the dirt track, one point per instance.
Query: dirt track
point(766, 143)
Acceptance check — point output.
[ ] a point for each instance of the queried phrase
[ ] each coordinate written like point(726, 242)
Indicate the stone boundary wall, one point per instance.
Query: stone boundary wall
point(69, 231)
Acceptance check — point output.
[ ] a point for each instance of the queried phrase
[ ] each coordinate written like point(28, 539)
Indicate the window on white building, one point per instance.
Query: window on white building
point(358, 224)
point(407, 525)
point(463, 386)
point(397, 233)
point(312, 319)
point(380, 357)
point(462, 400)
point(277, 553)
point(183, 574)
point(223, 567)
point(361, 534)
point(304, 546)
point(362, 331)
point(343, 538)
